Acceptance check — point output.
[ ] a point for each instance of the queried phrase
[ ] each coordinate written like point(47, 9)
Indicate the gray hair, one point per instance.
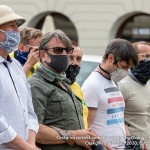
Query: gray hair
point(57, 34)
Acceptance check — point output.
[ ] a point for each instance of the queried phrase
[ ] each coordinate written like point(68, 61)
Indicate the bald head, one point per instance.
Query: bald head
point(143, 49)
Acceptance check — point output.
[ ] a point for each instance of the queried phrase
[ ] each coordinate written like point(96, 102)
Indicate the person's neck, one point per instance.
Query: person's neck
point(3, 54)
point(103, 70)
point(60, 77)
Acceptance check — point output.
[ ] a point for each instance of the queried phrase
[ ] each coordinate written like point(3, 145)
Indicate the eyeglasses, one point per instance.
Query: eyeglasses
point(59, 50)
point(145, 56)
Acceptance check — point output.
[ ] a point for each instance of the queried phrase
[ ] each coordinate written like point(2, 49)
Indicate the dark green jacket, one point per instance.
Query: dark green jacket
point(55, 106)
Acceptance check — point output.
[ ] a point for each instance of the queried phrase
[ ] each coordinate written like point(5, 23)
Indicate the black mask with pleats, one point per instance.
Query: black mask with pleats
point(142, 71)
point(71, 72)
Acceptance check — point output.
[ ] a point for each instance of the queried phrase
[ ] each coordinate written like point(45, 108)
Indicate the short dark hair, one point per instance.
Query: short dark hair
point(122, 50)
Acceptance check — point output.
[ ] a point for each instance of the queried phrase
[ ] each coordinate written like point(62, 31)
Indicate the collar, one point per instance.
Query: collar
point(3, 60)
point(99, 69)
point(68, 81)
point(46, 75)
point(133, 77)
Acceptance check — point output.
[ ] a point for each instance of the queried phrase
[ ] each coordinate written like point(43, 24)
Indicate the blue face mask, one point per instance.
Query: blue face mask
point(22, 57)
point(12, 39)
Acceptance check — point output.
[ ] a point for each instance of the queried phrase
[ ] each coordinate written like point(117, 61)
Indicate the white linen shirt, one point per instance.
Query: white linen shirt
point(16, 109)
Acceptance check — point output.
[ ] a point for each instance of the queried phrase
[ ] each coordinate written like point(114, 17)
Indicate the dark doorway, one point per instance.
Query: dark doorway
point(63, 23)
point(135, 28)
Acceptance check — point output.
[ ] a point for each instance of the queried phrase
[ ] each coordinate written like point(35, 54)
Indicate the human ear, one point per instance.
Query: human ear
point(21, 47)
point(42, 55)
point(111, 58)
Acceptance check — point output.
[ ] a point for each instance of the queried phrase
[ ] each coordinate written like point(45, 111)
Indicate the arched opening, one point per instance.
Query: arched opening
point(60, 22)
point(135, 28)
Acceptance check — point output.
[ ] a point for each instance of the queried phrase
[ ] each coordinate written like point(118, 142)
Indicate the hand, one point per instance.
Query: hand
point(101, 140)
point(108, 147)
point(33, 147)
point(83, 138)
point(20, 144)
point(33, 56)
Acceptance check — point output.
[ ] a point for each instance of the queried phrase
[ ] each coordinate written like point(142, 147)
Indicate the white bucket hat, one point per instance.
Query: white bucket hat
point(7, 15)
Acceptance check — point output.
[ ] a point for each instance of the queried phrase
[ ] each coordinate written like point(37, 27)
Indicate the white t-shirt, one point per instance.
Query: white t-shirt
point(104, 95)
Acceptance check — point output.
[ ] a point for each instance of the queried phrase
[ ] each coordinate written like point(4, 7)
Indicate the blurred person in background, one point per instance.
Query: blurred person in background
point(72, 72)
point(18, 122)
point(136, 92)
point(102, 96)
point(28, 53)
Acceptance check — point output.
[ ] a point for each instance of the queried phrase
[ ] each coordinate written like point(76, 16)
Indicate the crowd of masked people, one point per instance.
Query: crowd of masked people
point(42, 107)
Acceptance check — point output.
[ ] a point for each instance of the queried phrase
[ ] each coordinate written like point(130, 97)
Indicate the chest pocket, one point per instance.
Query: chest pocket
point(58, 104)
point(78, 104)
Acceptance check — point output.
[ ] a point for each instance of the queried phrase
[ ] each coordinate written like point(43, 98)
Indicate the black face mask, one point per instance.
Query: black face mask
point(71, 72)
point(58, 62)
point(142, 71)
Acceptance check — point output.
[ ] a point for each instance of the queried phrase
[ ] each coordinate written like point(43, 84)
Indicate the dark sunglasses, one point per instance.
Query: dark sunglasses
point(59, 50)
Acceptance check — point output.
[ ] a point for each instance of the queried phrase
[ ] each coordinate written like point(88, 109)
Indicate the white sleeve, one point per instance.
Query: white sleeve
point(7, 133)
point(90, 94)
point(33, 121)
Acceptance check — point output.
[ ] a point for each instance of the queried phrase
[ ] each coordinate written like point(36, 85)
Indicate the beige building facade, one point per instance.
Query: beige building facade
point(96, 21)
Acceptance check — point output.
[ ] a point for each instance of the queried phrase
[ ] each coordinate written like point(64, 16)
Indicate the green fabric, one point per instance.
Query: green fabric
point(59, 77)
point(55, 106)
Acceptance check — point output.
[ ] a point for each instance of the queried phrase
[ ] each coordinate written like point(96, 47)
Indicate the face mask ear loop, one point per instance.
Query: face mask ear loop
point(2, 31)
point(115, 62)
point(4, 34)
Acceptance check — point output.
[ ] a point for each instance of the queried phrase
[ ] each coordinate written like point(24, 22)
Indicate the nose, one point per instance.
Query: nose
point(64, 52)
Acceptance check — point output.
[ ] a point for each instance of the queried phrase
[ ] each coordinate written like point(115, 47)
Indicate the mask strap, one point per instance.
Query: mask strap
point(48, 54)
point(115, 62)
point(2, 31)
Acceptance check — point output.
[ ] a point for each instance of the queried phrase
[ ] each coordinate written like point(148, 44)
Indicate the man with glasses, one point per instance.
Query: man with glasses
point(59, 112)
point(136, 92)
point(27, 53)
point(102, 96)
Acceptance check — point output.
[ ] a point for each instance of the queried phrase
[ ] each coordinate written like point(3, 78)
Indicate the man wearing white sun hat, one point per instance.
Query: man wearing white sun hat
point(18, 122)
